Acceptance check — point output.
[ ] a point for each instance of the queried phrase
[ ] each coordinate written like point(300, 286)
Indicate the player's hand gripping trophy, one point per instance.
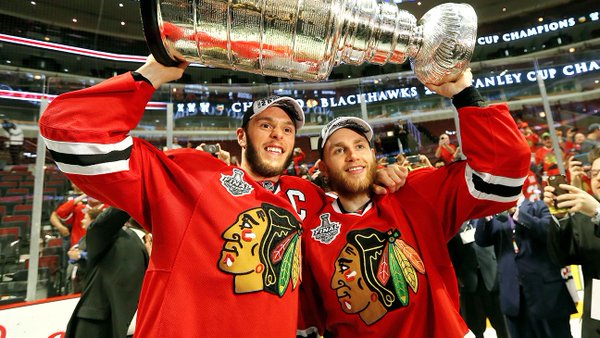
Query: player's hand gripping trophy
point(305, 39)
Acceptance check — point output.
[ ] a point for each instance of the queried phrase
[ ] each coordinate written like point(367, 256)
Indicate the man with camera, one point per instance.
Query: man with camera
point(445, 150)
point(574, 237)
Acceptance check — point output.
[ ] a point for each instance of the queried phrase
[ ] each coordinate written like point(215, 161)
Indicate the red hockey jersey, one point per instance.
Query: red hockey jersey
point(226, 254)
point(387, 272)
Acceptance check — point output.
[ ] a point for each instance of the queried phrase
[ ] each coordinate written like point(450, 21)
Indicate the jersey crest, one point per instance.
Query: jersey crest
point(262, 250)
point(327, 231)
point(374, 273)
point(235, 184)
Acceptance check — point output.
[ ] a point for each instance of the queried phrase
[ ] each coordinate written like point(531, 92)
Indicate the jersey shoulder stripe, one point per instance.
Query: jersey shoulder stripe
point(486, 186)
point(91, 158)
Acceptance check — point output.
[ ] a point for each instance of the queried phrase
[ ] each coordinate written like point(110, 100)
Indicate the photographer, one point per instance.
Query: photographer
point(445, 150)
point(574, 237)
point(216, 151)
point(15, 140)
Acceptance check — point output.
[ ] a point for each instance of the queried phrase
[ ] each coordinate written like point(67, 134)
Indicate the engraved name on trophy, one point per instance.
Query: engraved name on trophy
point(305, 39)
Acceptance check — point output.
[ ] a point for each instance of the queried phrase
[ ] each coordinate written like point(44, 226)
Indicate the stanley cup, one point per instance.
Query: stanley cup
point(305, 39)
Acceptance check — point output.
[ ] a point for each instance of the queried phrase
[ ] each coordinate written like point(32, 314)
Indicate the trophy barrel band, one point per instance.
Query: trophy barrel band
point(149, 13)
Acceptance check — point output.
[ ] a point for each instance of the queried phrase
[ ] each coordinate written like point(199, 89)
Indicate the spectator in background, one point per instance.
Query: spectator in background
point(67, 219)
point(532, 138)
point(298, 156)
point(533, 294)
point(401, 133)
point(592, 139)
point(15, 140)
point(578, 172)
point(573, 141)
point(78, 257)
point(117, 258)
point(531, 187)
point(175, 145)
point(71, 213)
point(477, 273)
point(574, 238)
point(445, 150)
point(545, 158)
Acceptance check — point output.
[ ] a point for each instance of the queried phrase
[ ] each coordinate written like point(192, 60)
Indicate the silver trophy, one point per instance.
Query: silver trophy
point(305, 39)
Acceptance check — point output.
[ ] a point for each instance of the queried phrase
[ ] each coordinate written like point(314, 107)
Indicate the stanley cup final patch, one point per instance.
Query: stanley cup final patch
point(327, 231)
point(235, 183)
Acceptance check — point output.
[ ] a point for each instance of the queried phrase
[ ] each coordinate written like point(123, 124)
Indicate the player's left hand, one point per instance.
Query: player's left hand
point(390, 179)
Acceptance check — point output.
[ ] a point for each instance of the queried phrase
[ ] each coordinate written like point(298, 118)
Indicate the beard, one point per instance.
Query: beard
point(258, 165)
point(343, 186)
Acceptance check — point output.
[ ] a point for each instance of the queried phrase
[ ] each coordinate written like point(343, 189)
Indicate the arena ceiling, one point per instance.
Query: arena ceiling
point(121, 17)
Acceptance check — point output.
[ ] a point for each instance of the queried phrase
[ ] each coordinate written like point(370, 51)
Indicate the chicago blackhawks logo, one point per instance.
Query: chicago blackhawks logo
point(235, 183)
point(373, 273)
point(327, 231)
point(262, 250)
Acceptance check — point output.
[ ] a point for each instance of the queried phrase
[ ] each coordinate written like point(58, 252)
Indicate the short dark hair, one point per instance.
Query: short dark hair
point(94, 213)
point(594, 154)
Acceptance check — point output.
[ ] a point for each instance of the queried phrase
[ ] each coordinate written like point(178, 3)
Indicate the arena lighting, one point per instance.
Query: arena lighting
point(37, 97)
point(76, 50)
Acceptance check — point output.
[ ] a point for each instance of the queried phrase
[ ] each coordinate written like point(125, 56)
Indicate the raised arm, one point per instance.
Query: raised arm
point(87, 133)
point(497, 161)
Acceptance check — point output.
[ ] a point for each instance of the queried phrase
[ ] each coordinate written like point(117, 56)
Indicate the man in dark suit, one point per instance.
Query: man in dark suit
point(476, 270)
point(533, 294)
point(117, 261)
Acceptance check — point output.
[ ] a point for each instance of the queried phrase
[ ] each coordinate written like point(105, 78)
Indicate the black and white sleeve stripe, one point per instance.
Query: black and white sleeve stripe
point(91, 158)
point(490, 187)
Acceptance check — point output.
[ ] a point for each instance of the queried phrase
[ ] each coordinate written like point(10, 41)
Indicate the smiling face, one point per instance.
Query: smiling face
point(349, 162)
point(268, 143)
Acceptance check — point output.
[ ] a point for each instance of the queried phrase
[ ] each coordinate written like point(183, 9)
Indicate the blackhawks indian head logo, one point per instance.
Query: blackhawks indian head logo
point(262, 250)
point(374, 272)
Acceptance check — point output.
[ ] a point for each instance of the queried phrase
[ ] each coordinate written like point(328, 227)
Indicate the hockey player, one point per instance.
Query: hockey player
point(226, 251)
point(377, 266)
